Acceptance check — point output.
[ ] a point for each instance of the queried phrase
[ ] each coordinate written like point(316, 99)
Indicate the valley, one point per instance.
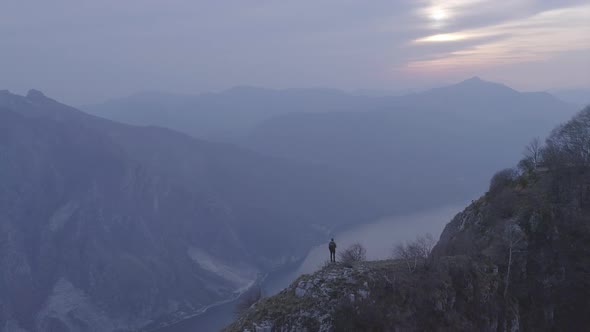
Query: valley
point(379, 238)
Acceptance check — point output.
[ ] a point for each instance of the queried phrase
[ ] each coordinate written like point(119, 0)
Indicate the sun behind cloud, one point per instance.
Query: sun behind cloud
point(539, 36)
point(439, 14)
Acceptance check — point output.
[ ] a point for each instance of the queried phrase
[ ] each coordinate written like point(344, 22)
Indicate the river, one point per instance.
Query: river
point(378, 238)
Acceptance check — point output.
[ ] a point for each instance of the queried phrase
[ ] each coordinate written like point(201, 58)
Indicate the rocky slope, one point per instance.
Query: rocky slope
point(383, 296)
point(105, 226)
point(517, 259)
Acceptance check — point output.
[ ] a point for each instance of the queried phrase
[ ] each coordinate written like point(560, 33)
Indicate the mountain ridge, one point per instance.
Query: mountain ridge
point(107, 226)
point(421, 142)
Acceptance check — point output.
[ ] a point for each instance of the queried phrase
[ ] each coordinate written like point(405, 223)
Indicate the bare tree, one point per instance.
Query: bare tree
point(514, 239)
point(532, 155)
point(248, 299)
point(403, 252)
point(569, 144)
point(354, 253)
point(532, 152)
point(424, 244)
point(412, 253)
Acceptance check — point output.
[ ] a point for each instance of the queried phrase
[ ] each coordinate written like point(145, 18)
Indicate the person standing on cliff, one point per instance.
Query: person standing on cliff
point(332, 247)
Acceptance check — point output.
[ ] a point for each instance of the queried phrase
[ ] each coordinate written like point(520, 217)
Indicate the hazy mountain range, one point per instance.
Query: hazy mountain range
point(107, 226)
point(227, 115)
point(445, 142)
point(580, 97)
point(436, 146)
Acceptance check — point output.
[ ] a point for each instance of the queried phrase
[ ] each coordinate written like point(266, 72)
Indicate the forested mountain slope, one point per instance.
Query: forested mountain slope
point(106, 226)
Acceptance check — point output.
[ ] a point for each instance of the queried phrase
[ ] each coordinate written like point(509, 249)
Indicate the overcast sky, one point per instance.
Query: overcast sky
point(83, 51)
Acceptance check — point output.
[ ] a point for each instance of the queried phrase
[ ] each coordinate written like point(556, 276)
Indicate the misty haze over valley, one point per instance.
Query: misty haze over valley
point(193, 166)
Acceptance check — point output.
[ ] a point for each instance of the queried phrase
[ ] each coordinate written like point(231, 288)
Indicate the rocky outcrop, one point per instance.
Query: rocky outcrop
point(383, 296)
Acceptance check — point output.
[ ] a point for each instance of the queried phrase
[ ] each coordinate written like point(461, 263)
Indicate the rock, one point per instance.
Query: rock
point(363, 293)
point(300, 292)
point(263, 327)
point(35, 95)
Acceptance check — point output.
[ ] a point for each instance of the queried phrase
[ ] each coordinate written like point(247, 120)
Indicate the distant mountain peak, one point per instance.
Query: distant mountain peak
point(477, 85)
point(474, 79)
point(35, 95)
point(477, 81)
point(248, 89)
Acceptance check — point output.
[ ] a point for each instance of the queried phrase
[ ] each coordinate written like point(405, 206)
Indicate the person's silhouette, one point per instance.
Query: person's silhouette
point(332, 247)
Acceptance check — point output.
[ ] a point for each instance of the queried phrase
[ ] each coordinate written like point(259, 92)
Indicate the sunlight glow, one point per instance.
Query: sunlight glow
point(445, 37)
point(439, 14)
point(535, 38)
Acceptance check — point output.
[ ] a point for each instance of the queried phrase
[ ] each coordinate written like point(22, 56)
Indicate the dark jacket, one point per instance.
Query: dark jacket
point(332, 246)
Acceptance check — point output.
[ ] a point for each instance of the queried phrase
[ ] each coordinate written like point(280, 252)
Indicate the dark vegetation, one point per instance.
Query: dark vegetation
point(415, 253)
point(454, 292)
point(534, 223)
point(355, 253)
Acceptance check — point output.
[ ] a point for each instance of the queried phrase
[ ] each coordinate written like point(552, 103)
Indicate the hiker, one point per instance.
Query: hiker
point(332, 247)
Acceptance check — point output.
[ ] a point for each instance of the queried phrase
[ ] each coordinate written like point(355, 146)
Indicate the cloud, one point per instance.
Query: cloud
point(537, 37)
point(192, 46)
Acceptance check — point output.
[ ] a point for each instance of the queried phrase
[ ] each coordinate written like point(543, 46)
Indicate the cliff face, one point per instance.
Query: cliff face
point(538, 234)
point(535, 225)
point(517, 259)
